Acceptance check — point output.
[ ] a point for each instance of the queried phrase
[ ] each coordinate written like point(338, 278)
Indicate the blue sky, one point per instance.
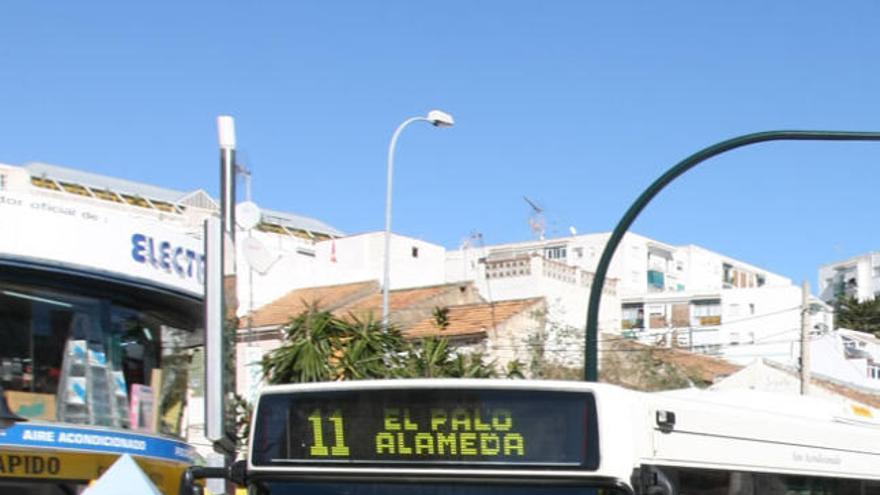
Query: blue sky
point(577, 105)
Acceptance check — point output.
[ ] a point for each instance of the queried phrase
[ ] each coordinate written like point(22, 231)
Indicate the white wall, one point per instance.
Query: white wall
point(302, 263)
point(762, 377)
point(828, 358)
point(53, 227)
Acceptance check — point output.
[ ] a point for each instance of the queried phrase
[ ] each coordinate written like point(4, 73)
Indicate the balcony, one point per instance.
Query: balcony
point(706, 321)
point(632, 324)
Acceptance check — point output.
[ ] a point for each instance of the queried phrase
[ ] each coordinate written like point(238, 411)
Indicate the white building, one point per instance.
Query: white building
point(857, 277)
point(116, 267)
point(278, 264)
point(688, 296)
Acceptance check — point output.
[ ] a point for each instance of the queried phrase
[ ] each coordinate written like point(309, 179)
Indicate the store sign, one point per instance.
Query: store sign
point(165, 256)
point(90, 237)
point(95, 440)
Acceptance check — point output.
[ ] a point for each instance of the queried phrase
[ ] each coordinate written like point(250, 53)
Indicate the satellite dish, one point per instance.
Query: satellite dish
point(258, 257)
point(248, 215)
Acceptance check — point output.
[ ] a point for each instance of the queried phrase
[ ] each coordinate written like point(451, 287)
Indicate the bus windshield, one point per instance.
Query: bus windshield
point(393, 488)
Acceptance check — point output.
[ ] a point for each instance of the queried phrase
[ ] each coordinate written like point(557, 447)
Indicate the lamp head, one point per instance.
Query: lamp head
point(226, 131)
point(440, 118)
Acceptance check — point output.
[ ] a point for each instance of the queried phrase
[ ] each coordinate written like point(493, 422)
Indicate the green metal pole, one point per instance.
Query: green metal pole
point(591, 369)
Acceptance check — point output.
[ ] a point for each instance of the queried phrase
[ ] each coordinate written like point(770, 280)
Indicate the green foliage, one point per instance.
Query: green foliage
point(319, 346)
point(441, 318)
point(243, 412)
point(433, 358)
point(855, 315)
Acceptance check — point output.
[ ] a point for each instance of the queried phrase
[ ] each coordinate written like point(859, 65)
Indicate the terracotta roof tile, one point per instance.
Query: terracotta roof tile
point(398, 300)
point(472, 319)
point(330, 297)
point(699, 366)
point(706, 368)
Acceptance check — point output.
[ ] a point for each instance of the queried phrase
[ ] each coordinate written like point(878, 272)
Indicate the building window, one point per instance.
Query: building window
point(656, 280)
point(2, 182)
point(415, 252)
point(728, 276)
point(555, 252)
point(633, 316)
point(657, 316)
point(706, 313)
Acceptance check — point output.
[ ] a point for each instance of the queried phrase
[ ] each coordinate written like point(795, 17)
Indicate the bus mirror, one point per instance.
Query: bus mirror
point(653, 481)
point(665, 421)
point(188, 485)
point(238, 473)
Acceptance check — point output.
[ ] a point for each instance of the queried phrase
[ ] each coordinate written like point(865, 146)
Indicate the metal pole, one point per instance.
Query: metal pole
point(591, 371)
point(226, 135)
point(805, 339)
point(387, 255)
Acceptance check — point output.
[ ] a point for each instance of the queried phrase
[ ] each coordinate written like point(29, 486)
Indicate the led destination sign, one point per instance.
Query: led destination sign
point(439, 427)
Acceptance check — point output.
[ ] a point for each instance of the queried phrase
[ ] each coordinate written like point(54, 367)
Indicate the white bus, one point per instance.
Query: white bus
point(507, 437)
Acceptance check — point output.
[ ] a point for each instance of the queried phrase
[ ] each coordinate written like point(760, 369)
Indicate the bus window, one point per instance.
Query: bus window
point(303, 488)
point(777, 484)
point(720, 482)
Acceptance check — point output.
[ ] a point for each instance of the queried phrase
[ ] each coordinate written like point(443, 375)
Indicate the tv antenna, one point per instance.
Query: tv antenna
point(537, 222)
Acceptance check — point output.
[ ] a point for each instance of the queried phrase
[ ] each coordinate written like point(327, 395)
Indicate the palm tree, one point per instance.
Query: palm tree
point(307, 349)
point(319, 346)
point(368, 349)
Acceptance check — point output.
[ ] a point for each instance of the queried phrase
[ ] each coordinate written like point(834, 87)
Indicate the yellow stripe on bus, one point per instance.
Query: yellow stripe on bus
point(85, 466)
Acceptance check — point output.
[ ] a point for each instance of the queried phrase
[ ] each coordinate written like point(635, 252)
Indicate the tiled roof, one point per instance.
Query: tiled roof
point(363, 300)
point(472, 319)
point(706, 368)
point(330, 297)
point(397, 300)
point(701, 367)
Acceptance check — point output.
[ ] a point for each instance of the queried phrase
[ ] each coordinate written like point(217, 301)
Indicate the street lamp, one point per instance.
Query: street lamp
point(437, 118)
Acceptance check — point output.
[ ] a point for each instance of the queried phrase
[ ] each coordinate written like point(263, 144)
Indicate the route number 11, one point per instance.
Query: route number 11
point(319, 449)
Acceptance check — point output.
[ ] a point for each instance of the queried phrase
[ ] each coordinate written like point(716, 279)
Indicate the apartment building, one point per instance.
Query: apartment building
point(685, 296)
point(857, 277)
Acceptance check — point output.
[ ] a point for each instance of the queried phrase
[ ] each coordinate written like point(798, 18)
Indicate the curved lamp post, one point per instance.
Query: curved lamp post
point(437, 118)
point(590, 355)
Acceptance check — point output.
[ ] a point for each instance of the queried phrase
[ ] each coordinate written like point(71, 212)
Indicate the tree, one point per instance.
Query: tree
point(319, 346)
point(863, 316)
point(433, 358)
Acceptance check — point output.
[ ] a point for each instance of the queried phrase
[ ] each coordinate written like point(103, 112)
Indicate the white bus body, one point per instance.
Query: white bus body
point(652, 439)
